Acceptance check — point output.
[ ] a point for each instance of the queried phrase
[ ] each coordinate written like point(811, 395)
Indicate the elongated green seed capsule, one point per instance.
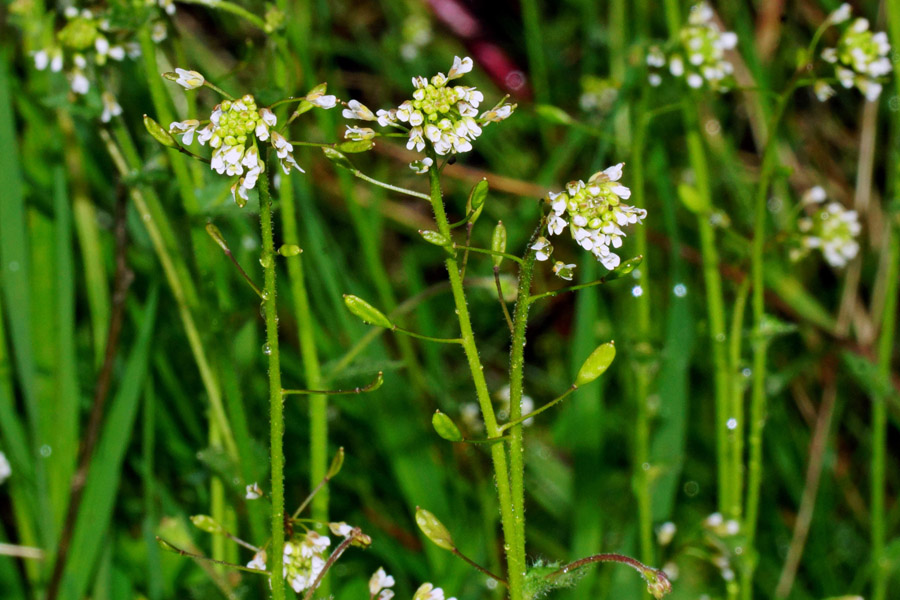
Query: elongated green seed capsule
point(206, 523)
point(498, 242)
point(434, 237)
point(336, 463)
point(445, 427)
point(159, 134)
point(596, 364)
point(434, 530)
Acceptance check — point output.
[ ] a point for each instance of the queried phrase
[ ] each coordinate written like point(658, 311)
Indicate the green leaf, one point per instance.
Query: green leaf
point(434, 530)
point(365, 311)
point(596, 364)
point(445, 427)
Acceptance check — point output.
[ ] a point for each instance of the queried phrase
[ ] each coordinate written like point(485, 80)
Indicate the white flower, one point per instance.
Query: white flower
point(676, 66)
point(542, 248)
point(258, 562)
point(111, 108)
point(358, 134)
point(253, 491)
point(421, 166)
point(158, 35)
point(814, 195)
point(460, 67)
point(189, 80)
point(840, 14)
point(822, 90)
point(168, 6)
point(185, 129)
point(341, 529)
point(861, 57)
point(665, 533)
point(713, 520)
point(5, 469)
point(357, 110)
point(563, 270)
point(379, 581)
point(79, 83)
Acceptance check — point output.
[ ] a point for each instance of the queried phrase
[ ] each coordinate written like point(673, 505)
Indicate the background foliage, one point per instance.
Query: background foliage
point(156, 464)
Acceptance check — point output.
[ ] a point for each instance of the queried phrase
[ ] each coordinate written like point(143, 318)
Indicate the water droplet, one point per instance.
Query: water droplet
point(267, 350)
point(894, 103)
point(720, 337)
point(13, 266)
point(691, 488)
point(637, 291)
point(266, 261)
point(746, 372)
point(738, 550)
point(731, 423)
point(645, 466)
point(146, 217)
point(713, 127)
point(774, 204)
point(515, 80)
point(636, 274)
point(46, 450)
point(680, 290)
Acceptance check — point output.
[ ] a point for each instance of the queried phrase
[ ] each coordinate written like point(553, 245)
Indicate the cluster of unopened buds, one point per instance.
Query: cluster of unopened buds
point(595, 214)
point(831, 228)
point(439, 115)
point(233, 131)
point(700, 55)
point(860, 57)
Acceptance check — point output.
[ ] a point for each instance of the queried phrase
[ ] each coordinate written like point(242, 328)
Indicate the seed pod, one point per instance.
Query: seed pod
point(624, 269)
point(159, 134)
point(356, 146)
point(206, 523)
point(365, 311)
point(596, 364)
point(445, 427)
point(498, 242)
point(434, 530)
point(338, 158)
point(434, 237)
point(217, 236)
point(336, 463)
point(290, 250)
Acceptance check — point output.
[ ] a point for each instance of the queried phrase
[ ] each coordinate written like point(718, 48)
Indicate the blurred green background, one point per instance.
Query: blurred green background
point(63, 199)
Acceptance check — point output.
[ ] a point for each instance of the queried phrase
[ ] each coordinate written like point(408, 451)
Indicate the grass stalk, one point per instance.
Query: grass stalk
point(515, 560)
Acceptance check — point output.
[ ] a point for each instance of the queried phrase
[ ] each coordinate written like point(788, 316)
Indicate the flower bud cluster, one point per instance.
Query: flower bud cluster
point(439, 115)
point(860, 58)
point(700, 55)
point(595, 215)
point(831, 228)
point(304, 560)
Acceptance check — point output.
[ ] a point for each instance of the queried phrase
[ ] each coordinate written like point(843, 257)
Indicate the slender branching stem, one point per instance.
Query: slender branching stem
point(388, 186)
point(506, 314)
point(515, 560)
point(358, 390)
point(511, 257)
point(496, 578)
point(535, 413)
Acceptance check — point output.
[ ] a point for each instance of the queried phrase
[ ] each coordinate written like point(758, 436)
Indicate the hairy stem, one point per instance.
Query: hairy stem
point(276, 397)
point(515, 560)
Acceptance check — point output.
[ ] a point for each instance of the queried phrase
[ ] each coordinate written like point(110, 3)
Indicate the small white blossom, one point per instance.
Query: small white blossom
point(358, 134)
point(111, 108)
point(186, 129)
point(563, 270)
point(341, 529)
point(665, 533)
point(79, 83)
point(543, 249)
point(357, 110)
point(861, 58)
point(831, 229)
point(840, 14)
point(379, 581)
point(253, 491)
point(189, 80)
point(421, 166)
point(258, 562)
point(427, 591)
point(822, 90)
point(158, 35)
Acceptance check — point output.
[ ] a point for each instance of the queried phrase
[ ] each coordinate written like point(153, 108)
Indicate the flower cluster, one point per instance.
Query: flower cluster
point(860, 58)
point(700, 55)
point(83, 42)
point(428, 592)
point(233, 130)
point(304, 560)
point(831, 229)
point(379, 584)
point(595, 215)
point(439, 115)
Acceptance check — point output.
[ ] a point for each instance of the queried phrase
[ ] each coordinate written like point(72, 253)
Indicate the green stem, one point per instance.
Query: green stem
point(233, 9)
point(758, 394)
point(736, 435)
point(511, 257)
point(393, 188)
point(516, 377)
point(881, 574)
point(515, 561)
point(535, 413)
point(276, 399)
